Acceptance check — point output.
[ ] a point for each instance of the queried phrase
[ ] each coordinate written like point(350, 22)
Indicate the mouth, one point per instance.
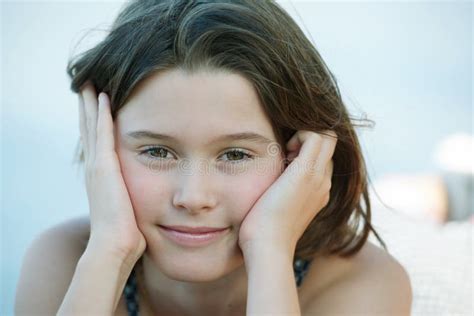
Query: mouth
point(194, 230)
point(192, 236)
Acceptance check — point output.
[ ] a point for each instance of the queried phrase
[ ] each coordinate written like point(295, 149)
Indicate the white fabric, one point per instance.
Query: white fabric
point(437, 258)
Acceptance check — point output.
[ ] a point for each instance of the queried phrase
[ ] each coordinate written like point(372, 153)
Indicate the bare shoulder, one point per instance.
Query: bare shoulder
point(48, 267)
point(372, 282)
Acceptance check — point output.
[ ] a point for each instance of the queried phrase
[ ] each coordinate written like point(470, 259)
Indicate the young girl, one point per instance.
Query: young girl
point(223, 173)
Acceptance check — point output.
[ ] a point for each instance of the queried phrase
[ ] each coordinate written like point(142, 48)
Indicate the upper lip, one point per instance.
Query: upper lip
point(194, 230)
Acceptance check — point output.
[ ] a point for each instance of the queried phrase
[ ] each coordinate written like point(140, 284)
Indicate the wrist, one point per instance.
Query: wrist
point(122, 257)
point(267, 254)
point(98, 277)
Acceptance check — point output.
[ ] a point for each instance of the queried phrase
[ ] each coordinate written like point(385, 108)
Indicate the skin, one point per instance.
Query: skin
point(162, 193)
point(264, 221)
point(220, 195)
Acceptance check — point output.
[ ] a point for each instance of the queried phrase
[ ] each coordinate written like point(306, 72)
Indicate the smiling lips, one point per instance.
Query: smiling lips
point(193, 230)
point(192, 236)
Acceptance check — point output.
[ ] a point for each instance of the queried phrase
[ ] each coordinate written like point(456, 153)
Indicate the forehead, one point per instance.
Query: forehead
point(202, 103)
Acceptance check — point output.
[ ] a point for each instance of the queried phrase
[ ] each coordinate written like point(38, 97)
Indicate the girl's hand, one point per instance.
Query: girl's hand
point(113, 226)
point(286, 208)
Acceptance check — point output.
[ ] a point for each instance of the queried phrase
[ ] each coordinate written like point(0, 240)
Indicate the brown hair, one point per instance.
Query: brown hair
point(260, 41)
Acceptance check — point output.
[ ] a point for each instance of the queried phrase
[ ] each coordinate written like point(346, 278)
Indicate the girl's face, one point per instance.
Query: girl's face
point(195, 175)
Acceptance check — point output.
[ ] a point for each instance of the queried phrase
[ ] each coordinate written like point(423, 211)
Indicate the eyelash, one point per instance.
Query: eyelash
point(147, 150)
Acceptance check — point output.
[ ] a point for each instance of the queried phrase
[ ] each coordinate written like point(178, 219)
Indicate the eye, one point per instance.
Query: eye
point(158, 152)
point(237, 153)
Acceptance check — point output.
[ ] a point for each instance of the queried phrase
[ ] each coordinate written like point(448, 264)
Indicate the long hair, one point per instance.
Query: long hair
point(260, 41)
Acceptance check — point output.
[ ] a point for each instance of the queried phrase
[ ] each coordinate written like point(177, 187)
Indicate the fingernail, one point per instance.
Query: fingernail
point(101, 98)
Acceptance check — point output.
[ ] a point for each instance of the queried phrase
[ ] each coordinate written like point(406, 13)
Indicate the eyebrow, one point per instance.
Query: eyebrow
point(245, 136)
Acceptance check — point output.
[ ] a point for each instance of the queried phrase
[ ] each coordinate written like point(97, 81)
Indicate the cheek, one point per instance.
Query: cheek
point(149, 192)
point(146, 189)
point(244, 191)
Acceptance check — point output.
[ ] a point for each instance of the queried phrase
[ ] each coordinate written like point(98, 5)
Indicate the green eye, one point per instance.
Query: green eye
point(160, 153)
point(235, 153)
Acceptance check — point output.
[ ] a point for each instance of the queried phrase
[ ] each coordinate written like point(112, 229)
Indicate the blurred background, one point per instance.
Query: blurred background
point(405, 65)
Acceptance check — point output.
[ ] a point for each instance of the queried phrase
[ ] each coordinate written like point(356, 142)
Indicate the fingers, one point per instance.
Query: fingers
point(96, 123)
point(82, 126)
point(90, 110)
point(315, 150)
point(308, 144)
point(327, 150)
point(105, 138)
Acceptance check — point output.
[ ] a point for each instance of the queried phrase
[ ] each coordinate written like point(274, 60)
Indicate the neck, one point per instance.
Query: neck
point(224, 296)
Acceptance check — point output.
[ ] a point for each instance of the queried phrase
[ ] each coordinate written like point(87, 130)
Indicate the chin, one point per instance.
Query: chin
point(198, 267)
point(195, 275)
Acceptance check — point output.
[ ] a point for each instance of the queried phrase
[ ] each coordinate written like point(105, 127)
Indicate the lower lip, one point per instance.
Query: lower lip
point(192, 240)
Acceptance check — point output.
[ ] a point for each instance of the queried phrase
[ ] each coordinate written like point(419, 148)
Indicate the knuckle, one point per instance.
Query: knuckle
point(313, 136)
point(330, 133)
point(306, 135)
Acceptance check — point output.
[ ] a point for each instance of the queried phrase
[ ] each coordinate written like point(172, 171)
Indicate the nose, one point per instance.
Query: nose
point(194, 192)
